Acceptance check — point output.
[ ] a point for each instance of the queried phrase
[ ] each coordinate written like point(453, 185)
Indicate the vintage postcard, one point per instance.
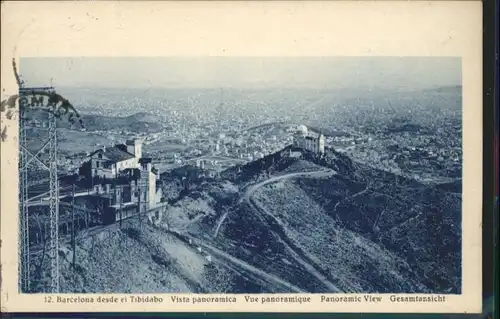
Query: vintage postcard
point(241, 156)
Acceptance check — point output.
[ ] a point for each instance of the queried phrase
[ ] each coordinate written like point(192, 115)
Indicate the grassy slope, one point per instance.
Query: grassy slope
point(356, 263)
point(419, 223)
point(410, 231)
point(135, 261)
point(385, 239)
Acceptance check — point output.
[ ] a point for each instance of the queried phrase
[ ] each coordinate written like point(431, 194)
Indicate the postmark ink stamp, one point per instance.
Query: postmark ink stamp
point(42, 99)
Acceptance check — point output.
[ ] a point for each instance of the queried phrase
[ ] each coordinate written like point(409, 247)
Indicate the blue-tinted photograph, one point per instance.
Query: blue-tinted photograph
point(240, 175)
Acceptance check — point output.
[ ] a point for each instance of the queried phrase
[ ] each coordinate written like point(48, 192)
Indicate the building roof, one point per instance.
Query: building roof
point(114, 154)
point(133, 142)
point(123, 147)
point(145, 160)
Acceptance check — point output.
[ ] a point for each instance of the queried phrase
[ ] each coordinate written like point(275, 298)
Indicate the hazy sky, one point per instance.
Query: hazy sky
point(350, 72)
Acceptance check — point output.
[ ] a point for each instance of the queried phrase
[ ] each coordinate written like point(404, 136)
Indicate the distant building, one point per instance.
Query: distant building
point(309, 140)
point(302, 129)
point(149, 176)
point(108, 162)
point(200, 163)
point(122, 160)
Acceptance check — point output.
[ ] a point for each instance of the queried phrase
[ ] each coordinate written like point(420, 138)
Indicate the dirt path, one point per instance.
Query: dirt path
point(295, 252)
point(366, 189)
point(226, 258)
point(252, 188)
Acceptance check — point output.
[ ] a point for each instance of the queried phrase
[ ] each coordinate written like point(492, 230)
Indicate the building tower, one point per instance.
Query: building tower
point(299, 137)
point(321, 143)
point(134, 147)
point(148, 180)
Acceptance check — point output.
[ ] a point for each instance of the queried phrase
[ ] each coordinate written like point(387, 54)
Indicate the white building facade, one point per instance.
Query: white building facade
point(309, 140)
point(109, 162)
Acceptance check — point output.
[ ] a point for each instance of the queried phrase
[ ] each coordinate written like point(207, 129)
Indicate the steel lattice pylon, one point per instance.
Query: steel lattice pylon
point(24, 263)
point(26, 157)
point(53, 205)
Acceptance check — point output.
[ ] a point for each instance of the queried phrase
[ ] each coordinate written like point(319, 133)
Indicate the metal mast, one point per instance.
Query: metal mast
point(53, 204)
point(24, 263)
point(26, 157)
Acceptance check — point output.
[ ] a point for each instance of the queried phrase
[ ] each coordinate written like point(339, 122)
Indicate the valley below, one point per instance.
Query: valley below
point(381, 215)
point(291, 226)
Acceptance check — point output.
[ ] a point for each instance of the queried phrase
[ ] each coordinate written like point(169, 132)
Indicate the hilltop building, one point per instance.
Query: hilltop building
point(149, 176)
point(126, 180)
point(109, 162)
point(309, 140)
point(200, 164)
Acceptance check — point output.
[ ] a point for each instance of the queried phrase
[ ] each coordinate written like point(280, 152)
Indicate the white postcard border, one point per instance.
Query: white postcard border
point(384, 28)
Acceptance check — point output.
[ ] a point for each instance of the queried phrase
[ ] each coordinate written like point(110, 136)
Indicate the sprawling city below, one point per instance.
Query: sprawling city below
point(409, 132)
point(253, 191)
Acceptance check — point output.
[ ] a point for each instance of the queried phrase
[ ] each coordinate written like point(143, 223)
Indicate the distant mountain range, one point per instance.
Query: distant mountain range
point(139, 122)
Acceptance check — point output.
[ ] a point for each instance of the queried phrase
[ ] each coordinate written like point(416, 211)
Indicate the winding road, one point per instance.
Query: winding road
point(294, 251)
point(314, 174)
point(227, 260)
point(366, 189)
point(252, 188)
point(217, 158)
